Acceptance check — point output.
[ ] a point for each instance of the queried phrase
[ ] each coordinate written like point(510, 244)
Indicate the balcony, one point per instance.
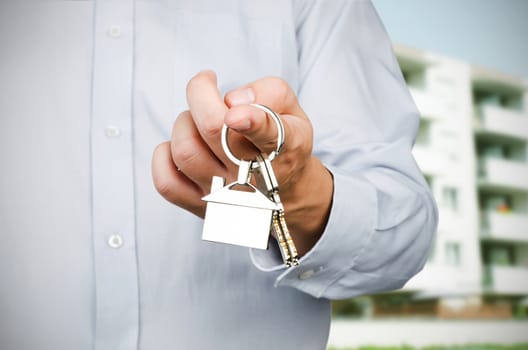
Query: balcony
point(428, 105)
point(511, 280)
point(503, 174)
point(502, 121)
point(510, 227)
point(435, 277)
point(430, 161)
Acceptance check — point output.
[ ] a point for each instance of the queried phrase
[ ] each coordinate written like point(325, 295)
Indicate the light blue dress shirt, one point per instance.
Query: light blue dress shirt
point(91, 256)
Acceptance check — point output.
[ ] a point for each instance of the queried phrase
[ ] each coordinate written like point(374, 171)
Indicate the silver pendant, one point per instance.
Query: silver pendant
point(238, 213)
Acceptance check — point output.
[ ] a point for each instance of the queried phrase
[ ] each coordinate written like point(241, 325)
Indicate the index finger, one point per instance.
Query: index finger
point(207, 110)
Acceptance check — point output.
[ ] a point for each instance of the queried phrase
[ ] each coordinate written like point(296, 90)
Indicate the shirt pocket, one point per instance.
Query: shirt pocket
point(238, 48)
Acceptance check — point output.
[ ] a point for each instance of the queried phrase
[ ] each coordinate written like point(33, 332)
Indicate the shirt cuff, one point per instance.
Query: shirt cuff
point(349, 228)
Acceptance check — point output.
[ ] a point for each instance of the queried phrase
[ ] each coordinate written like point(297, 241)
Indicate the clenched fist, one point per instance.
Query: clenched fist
point(183, 167)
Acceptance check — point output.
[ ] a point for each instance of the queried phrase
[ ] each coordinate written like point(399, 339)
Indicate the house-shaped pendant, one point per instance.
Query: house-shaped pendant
point(237, 217)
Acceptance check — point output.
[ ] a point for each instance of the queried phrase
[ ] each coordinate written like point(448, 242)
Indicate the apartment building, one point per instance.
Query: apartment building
point(500, 119)
point(472, 147)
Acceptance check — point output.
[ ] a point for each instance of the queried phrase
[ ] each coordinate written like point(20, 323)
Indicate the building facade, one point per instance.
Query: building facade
point(472, 147)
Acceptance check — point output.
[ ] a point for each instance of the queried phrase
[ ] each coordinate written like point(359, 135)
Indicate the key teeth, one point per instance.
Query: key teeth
point(289, 240)
point(268, 179)
point(288, 249)
point(285, 253)
point(292, 262)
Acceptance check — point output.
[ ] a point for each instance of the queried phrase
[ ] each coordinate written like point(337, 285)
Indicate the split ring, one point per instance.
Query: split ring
point(280, 136)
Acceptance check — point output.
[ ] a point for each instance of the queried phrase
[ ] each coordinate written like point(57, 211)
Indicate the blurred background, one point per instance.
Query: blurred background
point(466, 65)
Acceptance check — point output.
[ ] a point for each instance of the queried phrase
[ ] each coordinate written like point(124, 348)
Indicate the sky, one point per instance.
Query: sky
point(489, 33)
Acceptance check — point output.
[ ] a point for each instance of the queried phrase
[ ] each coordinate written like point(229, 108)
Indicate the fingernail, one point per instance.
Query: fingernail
point(242, 96)
point(209, 72)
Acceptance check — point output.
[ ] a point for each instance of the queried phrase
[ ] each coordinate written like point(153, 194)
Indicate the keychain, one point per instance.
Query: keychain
point(247, 216)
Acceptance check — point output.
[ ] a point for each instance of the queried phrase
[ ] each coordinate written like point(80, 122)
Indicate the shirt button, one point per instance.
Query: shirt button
point(112, 131)
point(114, 31)
point(309, 273)
point(115, 241)
point(306, 274)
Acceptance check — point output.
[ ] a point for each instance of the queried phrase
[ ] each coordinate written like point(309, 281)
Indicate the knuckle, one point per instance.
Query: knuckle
point(181, 119)
point(296, 146)
point(160, 148)
point(296, 155)
point(163, 185)
point(182, 116)
point(289, 160)
point(199, 79)
point(162, 182)
point(191, 84)
point(159, 155)
point(211, 126)
point(278, 81)
point(183, 152)
point(269, 145)
point(168, 188)
point(282, 89)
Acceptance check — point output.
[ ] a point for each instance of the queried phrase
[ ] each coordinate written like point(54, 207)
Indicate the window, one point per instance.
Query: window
point(424, 133)
point(413, 66)
point(450, 198)
point(413, 73)
point(501, 203)
point(431, 256)
point(452, 252)
point(499, 254)
point(505, 98)
point(511, 149)
point(429, 180)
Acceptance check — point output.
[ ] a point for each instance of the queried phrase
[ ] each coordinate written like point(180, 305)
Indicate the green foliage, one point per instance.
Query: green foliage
point(523, 346)
point(350, 307)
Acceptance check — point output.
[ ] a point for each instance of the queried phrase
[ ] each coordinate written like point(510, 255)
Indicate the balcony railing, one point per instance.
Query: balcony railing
point(504, 226)
point(511, 280)
point(429, 105)
point(435, 277)
point(503, 173)
point(503, 121)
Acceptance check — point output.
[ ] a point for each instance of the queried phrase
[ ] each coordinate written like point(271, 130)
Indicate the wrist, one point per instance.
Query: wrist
point(308, 204)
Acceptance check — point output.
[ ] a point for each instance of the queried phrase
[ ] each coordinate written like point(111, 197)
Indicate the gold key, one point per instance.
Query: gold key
point(281, 240)
point(269, 182)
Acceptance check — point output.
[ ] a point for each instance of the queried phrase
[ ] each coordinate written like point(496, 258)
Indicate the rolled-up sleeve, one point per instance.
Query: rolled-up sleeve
point(383, 215)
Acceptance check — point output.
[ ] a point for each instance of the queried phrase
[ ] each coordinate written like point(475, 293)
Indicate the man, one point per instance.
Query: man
point(92, 257)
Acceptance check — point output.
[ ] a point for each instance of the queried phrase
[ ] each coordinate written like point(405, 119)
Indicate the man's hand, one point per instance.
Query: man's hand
point(183, 167)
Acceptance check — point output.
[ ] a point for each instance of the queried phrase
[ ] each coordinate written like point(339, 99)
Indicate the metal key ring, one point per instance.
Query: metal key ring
point(280, 137)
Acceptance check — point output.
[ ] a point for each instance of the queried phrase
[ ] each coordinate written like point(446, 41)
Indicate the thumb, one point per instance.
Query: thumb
point(272, 92)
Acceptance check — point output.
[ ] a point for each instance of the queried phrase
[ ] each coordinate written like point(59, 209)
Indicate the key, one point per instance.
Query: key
point(268, 180)
point(268, 183)
point(247, 218)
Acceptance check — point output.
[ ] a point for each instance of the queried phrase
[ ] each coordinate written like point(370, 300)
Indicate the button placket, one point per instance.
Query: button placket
point(116, 270)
